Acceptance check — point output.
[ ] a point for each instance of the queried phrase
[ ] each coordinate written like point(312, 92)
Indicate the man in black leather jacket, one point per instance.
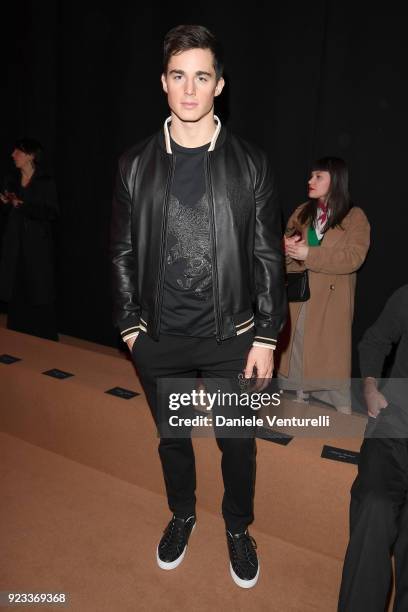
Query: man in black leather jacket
point(198, 279)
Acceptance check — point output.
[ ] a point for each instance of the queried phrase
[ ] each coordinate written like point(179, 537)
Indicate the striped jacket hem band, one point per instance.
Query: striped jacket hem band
point(244, 322)
point(244, 329)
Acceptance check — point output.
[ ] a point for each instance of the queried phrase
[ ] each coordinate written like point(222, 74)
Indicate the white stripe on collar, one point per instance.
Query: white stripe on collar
point(213, 139)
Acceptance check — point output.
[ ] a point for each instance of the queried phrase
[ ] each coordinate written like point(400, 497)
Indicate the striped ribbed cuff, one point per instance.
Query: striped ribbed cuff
point(268, 346)
point(265, 342)
point(131, 332)
point(129, 336)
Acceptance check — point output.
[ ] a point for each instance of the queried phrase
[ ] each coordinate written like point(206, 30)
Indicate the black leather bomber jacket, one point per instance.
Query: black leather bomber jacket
point(245, 234)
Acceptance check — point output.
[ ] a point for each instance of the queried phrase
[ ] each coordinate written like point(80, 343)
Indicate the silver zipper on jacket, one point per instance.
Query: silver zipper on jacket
point(163, 247)
point(218, 326)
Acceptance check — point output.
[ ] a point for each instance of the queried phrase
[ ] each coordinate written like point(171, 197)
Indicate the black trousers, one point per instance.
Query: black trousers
point(179, 357)
point(378, 528)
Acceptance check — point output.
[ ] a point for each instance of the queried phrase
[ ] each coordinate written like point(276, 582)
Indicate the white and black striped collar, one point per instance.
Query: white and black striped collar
point(168, 140)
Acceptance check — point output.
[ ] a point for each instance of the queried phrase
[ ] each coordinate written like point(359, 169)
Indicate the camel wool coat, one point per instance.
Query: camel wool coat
point(332, 270)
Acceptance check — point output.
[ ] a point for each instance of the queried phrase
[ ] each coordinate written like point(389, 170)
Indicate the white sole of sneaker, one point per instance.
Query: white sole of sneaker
point(244, 584)
point(172, 564)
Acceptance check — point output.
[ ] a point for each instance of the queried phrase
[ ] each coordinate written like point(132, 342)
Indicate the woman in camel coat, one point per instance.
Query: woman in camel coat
point(330, 238)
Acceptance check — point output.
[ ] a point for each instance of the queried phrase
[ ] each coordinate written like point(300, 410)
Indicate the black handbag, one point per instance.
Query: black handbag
point(297, 286)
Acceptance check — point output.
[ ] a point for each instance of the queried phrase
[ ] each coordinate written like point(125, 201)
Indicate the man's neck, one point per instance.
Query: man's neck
point(192, 134)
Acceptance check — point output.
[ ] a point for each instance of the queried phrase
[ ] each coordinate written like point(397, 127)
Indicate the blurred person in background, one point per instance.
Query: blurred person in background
point(379, 495)
point(29, 200)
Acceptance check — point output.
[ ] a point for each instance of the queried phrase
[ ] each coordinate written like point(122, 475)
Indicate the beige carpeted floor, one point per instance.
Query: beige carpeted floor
point(83, 507)
point(69, 528)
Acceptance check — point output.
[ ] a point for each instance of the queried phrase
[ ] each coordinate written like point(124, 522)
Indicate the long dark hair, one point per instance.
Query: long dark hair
point(338, 200)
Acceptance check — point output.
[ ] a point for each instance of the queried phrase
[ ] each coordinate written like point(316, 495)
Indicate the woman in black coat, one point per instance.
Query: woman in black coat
point(27, 261)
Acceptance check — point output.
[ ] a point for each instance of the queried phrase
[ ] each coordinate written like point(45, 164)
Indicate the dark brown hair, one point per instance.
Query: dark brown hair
point(186, 37)
point(338, 200)
point(31, 147)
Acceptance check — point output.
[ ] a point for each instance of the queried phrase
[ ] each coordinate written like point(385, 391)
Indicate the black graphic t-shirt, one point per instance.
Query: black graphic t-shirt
point(188, 305)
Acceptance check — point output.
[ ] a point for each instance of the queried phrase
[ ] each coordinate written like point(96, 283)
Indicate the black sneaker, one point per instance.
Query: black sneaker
point(173, 545)
point(244, 564)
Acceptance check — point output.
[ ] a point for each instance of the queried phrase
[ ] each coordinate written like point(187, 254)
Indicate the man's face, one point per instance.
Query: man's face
point(190, 84)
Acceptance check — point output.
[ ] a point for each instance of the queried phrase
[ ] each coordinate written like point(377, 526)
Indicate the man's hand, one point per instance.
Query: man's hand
point(374, 399)
point(297, 249)
point(260, 359)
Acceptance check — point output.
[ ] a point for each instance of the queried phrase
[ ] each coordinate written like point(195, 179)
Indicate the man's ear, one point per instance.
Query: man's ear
point(164, 83)
point(219, 87)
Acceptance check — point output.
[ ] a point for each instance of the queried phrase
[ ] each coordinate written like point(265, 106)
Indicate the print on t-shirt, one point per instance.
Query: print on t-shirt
point(188, 232)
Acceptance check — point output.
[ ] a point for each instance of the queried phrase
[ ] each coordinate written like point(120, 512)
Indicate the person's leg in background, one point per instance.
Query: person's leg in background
point(27, 318)
point(377, 497)
point(339, 398)
point(294, 381)
point(401, 560)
